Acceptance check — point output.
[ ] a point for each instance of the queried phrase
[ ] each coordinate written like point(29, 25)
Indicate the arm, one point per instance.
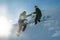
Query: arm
point(34, 12)
point(28, 15)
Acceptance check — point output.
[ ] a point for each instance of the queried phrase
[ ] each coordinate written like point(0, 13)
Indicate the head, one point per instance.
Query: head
point(23, 13)
point(36, 6)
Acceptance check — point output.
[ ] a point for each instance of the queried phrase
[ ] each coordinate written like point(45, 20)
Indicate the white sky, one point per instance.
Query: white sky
point(5, 25)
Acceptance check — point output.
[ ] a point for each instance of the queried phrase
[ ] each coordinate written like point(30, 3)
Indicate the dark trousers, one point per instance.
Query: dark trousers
point(37, 19)
point(24, 27)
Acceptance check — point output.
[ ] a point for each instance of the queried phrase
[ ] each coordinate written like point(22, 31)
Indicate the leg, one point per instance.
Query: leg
point(39, 18)
point(36, 20)
point(20, 28)
point(25, 25)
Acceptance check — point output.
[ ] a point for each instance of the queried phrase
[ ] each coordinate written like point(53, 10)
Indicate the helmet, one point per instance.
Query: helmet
point(36, 6)
point(24, 12)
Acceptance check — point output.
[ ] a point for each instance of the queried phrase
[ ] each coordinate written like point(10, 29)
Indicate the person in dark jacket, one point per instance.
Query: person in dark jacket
point(38, 14)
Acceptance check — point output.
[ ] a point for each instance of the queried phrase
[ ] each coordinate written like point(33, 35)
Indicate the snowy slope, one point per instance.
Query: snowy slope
point(46, 30)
